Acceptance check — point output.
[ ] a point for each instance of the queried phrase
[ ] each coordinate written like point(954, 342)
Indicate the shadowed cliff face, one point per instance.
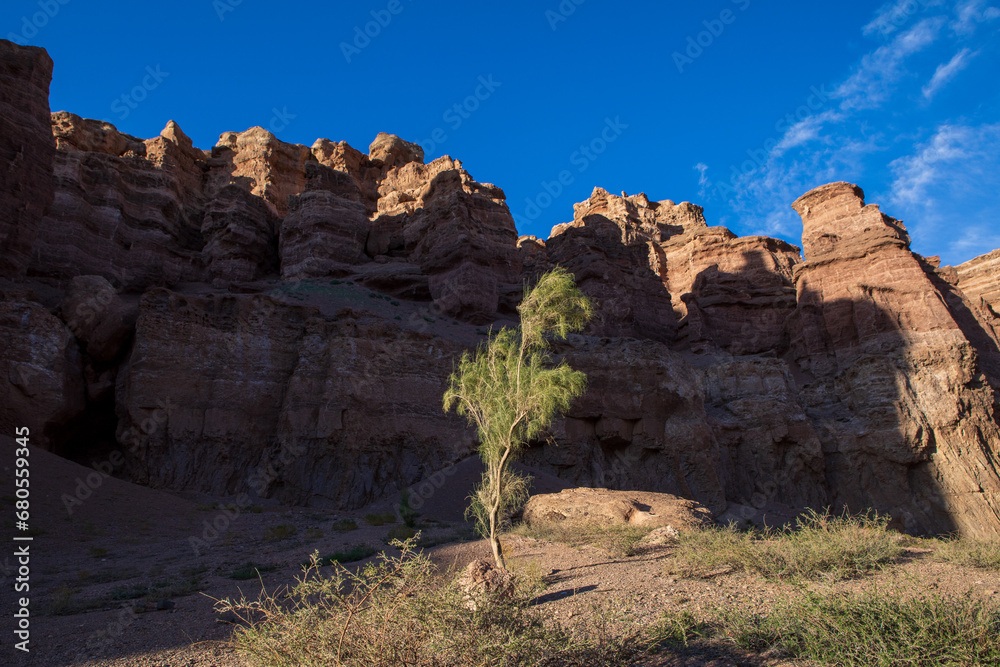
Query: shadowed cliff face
point(279, 320)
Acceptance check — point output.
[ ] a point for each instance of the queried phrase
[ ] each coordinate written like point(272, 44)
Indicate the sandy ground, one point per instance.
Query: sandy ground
point(127, 577)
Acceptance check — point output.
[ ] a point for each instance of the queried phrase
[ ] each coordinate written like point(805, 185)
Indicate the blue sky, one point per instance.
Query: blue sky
point(737, 105)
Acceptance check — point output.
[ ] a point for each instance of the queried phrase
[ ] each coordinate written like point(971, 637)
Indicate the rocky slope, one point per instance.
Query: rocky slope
point(279, 320)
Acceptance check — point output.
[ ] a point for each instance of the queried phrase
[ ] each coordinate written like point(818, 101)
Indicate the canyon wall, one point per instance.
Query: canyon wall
point(280, 320)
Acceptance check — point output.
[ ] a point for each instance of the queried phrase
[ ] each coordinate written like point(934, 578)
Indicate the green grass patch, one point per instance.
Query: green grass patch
point(380, 519)
point(874, 628)
point(250, 570)
point(837, 547)
point(983, 554)
point(621, 541)
point(400, 533)
point(344, 525)
point(351, 555)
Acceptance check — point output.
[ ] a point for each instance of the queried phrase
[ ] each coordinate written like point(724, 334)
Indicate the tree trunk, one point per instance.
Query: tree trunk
point(494, 525)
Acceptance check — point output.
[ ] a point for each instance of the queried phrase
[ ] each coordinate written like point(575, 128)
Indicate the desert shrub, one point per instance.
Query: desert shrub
point(398, 611)
point(840, 547)
point(400, 533)
point(973, 553)
point(355, 553)
point(374, 519)
point(344, 525)
point(875, 628)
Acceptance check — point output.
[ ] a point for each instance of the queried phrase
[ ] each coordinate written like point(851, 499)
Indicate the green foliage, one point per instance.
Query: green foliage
point(380, 519)
point(344, 525)
point(837, 547)
point(510, 390)
point(874, 628)
point(399, 533)
point(406, 512)
point(398, 611)
point(983, 554)
point(355, 553)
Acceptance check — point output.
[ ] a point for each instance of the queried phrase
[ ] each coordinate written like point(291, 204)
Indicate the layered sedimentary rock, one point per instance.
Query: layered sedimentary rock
point(258, 162)
point(458, 231)
point(26, 150)
point(326, 228)
point(133, 219)
point(897, 393)
point(319, 297)
point(979, 278)
point(588, 507)
point(290, 403)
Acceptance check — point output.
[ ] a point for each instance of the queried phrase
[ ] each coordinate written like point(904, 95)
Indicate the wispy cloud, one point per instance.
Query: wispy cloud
point(805, 131)
point(975, 241)
point(892, 16)
point(947, 71)
point(879, 70)
point(970, 14)
point(702, 170)
point(954, 156)
point(948, 186)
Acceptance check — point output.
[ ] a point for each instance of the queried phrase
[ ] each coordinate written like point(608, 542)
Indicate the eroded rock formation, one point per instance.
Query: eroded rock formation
point(280, 320)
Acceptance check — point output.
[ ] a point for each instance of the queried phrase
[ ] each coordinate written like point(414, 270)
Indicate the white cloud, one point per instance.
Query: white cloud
point(702, 170)
point(946, 192)
point(804, 131)
point(970, 14)
point(892, 16)
point(947, 71)
point(873, 80)
point(953, 157)
point(975, 241)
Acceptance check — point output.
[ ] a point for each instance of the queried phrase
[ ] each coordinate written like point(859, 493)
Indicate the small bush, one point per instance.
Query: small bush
point(820, 545)
point(407, 513)
point(973, 553)
point(355, 553)
point(380, 519)
point(875, 628)
point(97, 552)
point(282, 531)
point(344, 525)
point(129, 592)
point(400, 533)
point(396, 611)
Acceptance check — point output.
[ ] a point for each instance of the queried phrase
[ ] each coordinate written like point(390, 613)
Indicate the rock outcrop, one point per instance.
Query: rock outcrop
point(897, 392)
point(281, 320)
point(616, 508)
point(26, 151)
point(979, 279)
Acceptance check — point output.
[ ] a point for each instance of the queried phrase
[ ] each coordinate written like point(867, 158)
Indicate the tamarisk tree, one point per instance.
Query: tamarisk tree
point(511, 390)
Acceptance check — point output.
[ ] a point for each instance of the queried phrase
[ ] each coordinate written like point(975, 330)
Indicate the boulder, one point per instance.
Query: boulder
point(604, 507)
